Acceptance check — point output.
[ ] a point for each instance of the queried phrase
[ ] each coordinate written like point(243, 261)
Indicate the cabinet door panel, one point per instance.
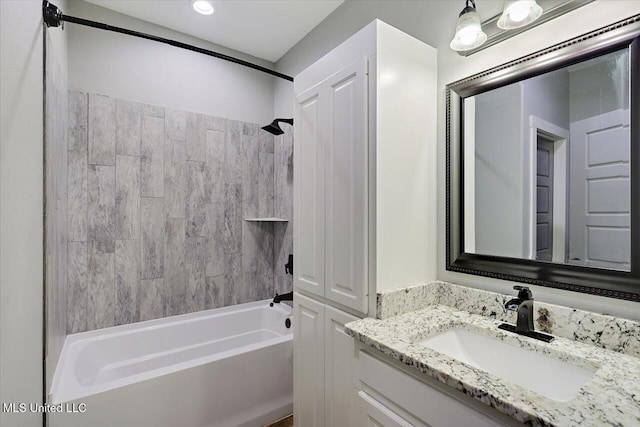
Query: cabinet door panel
point(339, 357)
point(308, 233)
point(308, 360)
point(345, 96)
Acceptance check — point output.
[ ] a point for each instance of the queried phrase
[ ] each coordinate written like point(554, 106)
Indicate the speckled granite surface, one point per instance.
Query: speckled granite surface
point(610, 397)
point(612, 333)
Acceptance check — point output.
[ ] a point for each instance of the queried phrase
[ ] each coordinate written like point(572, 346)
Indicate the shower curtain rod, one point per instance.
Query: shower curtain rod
point(53, 17)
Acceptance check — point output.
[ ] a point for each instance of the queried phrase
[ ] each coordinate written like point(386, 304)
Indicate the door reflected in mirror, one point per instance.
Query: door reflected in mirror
point(547, 166)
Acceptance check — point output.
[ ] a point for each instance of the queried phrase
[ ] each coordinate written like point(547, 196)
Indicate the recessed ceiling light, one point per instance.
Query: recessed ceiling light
point(203, 7)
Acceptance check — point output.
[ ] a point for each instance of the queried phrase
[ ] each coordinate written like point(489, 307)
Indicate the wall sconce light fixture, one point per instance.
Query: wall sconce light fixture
point(517, 16)
point(469, 34)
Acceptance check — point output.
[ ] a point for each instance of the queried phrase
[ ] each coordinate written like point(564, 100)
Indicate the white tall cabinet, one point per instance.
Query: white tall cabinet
point(364, 202)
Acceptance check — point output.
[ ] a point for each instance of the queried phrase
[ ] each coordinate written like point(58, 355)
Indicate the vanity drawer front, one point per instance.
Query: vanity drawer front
point(428, 404)
point(375, 414)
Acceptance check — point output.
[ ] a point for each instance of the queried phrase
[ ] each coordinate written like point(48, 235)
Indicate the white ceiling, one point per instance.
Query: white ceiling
point(266, 29)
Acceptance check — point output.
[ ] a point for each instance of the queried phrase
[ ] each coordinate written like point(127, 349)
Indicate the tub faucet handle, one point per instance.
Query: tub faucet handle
point(288, 267)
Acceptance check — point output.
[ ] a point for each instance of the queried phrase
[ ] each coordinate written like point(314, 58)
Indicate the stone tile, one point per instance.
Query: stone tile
point(278, 151)
point(102, 130)
point(78, 279)
point(152, 157)
point(216, 123)
point(127, 197)
point(250, 129)
point(250, 176)
point(78, 119)
point(251, 234)
point(283, 246)
point(152, 238)
point(127, 264)
point(265, 139)
point(152, 110)
point(195, 207)
point(196, 137)
point(101, 203)
point(215, 239)
point(233, 219)
point(283, 176)
point(151, 300)
point(128, 127)
point(215, 167)
point(175, 123)
point(104, 246)
point(174, 179)
point(245, 291)
point(214, 296)
point(265, 186)
point(175, 305)
point(233, 152)
point(286, 196)
point(232, 278)
point(195, 263)
point(77, 200)
point(287, 146)
point(101, 290)
point(265, 259)
point(175, 275)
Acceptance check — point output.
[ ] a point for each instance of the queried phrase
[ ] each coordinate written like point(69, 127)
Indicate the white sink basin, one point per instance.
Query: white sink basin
point(552, 378)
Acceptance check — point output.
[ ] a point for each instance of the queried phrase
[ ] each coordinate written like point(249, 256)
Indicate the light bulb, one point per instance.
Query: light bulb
point(519, 11)
point(467, 36)
point(203, 7)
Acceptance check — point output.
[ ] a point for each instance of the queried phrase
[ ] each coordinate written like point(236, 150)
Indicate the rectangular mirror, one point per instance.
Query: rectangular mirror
point(543, 167)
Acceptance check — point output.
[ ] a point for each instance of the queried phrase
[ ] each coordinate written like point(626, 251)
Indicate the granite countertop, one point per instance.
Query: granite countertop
point(610, 397)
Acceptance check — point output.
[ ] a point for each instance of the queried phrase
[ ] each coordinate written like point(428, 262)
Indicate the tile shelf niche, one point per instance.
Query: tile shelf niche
point(268, 219)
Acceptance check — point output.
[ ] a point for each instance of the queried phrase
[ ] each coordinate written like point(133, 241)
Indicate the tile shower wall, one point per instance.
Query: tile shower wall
point(156, 204)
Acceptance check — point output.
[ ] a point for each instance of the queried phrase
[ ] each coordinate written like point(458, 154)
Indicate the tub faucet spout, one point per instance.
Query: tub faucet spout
point(284, 297)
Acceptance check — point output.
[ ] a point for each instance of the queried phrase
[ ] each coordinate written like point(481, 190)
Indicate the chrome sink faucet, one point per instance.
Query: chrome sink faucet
point(523, 305)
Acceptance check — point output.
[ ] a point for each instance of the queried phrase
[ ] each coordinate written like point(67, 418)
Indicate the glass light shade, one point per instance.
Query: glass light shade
point(203, 7)
point(469, 34)
point(518, 13)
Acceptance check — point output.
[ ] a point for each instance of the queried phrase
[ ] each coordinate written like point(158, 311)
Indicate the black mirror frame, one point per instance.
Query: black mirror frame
point(604, 282)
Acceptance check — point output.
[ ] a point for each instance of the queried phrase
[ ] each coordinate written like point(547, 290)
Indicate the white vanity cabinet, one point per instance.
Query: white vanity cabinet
point(388, 396)
point(364, 202)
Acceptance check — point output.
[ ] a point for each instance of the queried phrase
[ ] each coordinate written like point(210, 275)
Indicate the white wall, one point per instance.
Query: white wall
point(126, 67)
point(503, 209)
point(414, 18)
point(21, 208)
point(498, 172)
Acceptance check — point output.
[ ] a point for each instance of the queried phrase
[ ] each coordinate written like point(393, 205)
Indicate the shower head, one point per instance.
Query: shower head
point(274, 127)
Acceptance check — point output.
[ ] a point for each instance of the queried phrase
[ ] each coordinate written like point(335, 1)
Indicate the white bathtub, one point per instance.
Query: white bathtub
point(223, 367)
